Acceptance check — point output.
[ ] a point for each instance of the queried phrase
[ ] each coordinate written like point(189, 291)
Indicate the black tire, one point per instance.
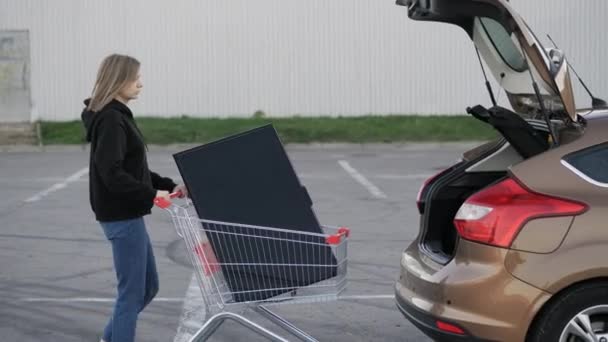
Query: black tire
point(554, 318)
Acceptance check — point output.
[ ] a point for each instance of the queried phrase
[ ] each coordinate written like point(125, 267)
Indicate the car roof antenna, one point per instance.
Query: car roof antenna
point(541, 103)
point(595, 102)
point(488, 86)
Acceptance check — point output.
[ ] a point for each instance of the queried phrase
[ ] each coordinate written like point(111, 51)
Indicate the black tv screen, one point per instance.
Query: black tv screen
point(248, 179)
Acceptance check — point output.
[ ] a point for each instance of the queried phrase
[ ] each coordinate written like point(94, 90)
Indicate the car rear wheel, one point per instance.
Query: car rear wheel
point(579, 315)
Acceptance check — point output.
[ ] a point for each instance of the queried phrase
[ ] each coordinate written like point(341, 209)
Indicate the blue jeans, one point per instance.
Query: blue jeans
point(136, 274)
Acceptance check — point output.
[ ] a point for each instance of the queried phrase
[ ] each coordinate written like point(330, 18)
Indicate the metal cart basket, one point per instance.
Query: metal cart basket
point(242, 268)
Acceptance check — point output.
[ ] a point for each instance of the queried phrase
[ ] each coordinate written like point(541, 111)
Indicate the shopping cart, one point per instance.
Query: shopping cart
point(241, 268)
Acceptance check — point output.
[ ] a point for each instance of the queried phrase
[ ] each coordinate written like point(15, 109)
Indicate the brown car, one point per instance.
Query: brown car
point(513, 238)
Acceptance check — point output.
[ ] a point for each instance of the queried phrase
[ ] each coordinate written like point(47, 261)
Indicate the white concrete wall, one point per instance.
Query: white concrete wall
point(285, 57)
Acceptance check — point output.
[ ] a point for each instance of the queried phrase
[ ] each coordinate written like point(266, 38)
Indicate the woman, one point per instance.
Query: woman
point(122, 189)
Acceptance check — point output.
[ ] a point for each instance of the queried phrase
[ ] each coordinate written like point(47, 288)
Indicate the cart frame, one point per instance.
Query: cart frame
point(218, 295)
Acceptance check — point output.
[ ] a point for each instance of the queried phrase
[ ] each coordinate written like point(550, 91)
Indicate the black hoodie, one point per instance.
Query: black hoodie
point(121, 186)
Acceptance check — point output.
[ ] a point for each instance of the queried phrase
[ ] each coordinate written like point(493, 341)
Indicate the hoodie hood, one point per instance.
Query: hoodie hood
point(90, 118)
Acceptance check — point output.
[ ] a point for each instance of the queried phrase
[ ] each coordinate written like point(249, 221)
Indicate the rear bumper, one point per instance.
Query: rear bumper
point(473, 292)
point(427, 324)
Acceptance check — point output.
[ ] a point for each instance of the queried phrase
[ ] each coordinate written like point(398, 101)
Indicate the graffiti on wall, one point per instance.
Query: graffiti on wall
point(15, 102)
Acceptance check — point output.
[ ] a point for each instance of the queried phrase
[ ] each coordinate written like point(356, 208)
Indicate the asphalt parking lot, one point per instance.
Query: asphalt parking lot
point(57, 280)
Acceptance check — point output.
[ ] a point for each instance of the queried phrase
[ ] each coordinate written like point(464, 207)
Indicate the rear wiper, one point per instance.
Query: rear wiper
point(595, 102)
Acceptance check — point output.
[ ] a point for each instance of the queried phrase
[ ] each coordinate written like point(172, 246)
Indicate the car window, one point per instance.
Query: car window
point(590, 163)
point(504, 44)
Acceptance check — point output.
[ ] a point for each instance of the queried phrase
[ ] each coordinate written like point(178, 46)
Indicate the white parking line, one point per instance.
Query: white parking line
point(403, 177)
point(362, 180)
point(193, 313)
point(58, 186)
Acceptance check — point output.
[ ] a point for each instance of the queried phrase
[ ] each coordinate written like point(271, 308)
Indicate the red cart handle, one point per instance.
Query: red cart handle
point(337, 238)
point(162, 203)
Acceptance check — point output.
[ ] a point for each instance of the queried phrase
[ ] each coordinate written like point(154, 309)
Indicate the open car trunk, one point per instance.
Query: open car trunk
point(443, 195)
point(441, 237)
point(543, 116)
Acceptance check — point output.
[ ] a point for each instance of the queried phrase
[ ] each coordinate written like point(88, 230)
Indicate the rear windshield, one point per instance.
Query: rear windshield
point(504, 44)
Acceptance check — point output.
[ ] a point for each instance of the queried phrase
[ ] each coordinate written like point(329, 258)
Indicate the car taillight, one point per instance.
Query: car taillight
point(495, 214)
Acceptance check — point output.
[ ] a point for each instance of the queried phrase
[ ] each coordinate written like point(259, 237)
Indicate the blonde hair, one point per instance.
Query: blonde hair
point(114, 73)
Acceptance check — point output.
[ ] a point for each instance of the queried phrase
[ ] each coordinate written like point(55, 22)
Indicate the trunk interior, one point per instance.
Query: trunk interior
point(446, 197)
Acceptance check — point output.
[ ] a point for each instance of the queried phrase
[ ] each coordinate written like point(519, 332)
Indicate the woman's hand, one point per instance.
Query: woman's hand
point(182, 190)
point(163, 194)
